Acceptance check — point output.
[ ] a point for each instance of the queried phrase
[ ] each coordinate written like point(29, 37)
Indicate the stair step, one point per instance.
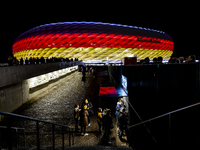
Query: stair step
point(100, 148)
point(76, 148)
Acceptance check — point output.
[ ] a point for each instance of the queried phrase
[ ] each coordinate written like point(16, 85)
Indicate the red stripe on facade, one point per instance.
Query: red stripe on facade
point(91, 40)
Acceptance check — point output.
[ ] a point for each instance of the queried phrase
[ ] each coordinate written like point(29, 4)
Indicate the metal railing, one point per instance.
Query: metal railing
point(169, 114)
point(10, 116)
point(152, 125)
point(147, 129)
point(116, 84)
point(17, 131)
point(166, 114)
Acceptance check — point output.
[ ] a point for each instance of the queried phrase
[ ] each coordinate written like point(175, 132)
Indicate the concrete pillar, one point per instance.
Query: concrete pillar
point(13, 96)
point(25, 91)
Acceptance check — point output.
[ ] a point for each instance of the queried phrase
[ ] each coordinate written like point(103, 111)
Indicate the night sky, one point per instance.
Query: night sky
point(180, 21)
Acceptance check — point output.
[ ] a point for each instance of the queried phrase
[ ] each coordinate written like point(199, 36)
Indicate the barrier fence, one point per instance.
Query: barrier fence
point(168, 91)
point(21, 132)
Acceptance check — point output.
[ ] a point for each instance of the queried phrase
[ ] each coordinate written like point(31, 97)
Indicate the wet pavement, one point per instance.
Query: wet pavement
point(57, 105)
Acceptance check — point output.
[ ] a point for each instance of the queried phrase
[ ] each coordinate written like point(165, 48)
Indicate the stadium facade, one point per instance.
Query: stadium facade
point(92, 41)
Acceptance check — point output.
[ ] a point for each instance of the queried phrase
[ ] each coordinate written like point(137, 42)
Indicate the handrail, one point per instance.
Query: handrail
point(33, 119)
point(16, 129)
point(171, 112)
point(128, 101)
point(71, 130)
point(135, 112)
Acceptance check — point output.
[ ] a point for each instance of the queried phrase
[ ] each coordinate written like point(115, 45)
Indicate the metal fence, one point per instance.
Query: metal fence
point(21, 132)
point(178, 129)
point(158, 90)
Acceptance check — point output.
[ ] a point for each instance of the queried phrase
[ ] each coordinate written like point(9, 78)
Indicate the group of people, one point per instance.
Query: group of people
point(104, 120)
point(83, 115)
point(187, 59)
point(155, 61)
point(172, 60)
point(84, 70)
point(91, 70)
point(122, 119)
point(12, 61)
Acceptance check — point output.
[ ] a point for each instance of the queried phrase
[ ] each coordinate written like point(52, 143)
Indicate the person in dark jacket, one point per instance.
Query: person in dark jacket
point(89, 109)
point(107, 123)
point(77, 116)
point(21, 61)
point(118, 108)
point(84, 121)
point(123, 122)
point(83, 77)
point(10, 60)
point(99, 119)
point(26, 61)
point(83, 80)
point(117, 114)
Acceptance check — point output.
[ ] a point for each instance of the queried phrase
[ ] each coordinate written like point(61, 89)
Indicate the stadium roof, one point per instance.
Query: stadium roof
point(92, 41)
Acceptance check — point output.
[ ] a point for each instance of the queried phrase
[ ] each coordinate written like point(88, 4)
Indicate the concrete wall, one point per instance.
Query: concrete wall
point(14, 74)
point(47, 87)
point(13, 96)
point(14, 83)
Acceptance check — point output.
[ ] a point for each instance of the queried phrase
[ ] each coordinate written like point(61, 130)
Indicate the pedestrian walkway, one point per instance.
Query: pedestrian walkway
point(57, 105)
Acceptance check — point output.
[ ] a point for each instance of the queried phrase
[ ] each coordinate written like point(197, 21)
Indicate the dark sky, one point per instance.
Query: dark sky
point(180, 21)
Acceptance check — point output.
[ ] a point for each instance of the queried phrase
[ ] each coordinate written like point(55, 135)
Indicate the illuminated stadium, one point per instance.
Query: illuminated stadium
point(92, 41)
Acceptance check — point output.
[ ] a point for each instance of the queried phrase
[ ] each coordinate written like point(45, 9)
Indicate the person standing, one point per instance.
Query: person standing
point(84, 121)
point(107, 123)
point(159, 60)
point(31, 61)
point(119, 104)
point(77, 116)
point(146, 61)
point(26, 61)
point(99, 119)
point(10, 60)
point(37, 60)
point(83, 77)
point(123, 122)
point(118, 108)
point(21, 61)
point(89, 109)
point(15, 61)
point(117, 114)
point(94, 72)
point(83, 80)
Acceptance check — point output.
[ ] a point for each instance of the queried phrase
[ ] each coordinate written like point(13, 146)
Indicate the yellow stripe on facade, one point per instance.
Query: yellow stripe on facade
point(91, 53)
